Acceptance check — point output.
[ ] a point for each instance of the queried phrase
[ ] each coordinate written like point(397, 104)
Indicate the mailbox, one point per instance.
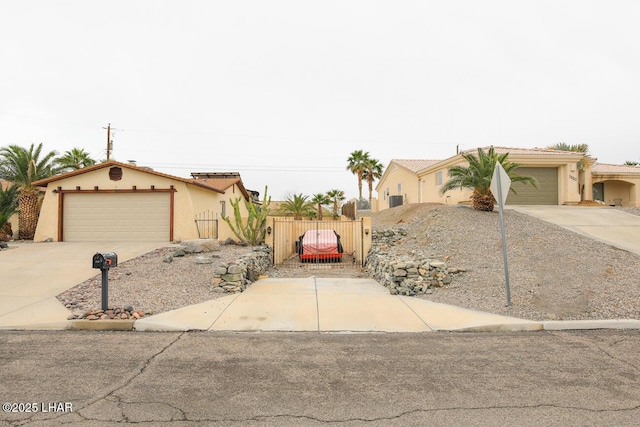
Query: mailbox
point(105, 260)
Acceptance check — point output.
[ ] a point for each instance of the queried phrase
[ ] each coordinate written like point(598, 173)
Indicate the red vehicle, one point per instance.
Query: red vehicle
point(319, 246)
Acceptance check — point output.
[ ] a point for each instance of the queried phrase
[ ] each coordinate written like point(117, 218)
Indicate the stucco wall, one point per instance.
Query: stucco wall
point(188, 200)
point(627, 189)
point(409, 186)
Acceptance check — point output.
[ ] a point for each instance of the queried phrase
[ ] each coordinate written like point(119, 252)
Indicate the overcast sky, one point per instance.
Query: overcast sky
point(283, 91)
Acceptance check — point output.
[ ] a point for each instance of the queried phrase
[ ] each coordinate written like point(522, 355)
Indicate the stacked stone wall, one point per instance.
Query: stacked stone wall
point(404, 273)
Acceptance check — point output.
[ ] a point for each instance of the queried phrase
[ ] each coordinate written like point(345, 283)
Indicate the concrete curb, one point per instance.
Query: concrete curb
point(568, 325)
point(101, 325)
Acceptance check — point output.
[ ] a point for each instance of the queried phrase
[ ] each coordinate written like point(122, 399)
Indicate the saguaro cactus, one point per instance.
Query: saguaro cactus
point(254, 229)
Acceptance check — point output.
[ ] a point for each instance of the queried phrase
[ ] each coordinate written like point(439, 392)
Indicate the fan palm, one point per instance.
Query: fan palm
point(477, 177)
point(356, 164)
point(372, 171)
point(320, 200)
point(297, 205)
point(74, 159)
point(336, 196)
point(23, 167)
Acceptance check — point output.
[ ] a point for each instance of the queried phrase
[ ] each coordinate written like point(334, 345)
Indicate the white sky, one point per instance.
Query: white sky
point(283, 91)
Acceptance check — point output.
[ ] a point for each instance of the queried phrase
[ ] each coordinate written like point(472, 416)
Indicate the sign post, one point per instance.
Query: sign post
point(500, 184)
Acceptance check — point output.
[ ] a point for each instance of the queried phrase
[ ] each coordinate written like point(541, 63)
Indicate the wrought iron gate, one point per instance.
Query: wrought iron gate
point(207, 225)
point(318, 244)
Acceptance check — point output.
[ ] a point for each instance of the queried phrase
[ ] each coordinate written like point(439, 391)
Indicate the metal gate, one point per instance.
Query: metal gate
point(207, 225)
point(318, 244)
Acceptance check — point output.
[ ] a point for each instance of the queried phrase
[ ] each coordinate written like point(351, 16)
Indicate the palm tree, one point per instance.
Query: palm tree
point(23, 167)
point(477, 177)
point(320, 200)
point(297, 205)
point(8, 207)
point(372, 171)
point(585, 162)
point(75, 159)
point(631, 163)
point(356, 165)
point(336, 196)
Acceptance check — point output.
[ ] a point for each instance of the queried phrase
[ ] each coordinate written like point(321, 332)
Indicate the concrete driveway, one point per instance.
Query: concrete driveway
point(608, 225)
point(32, 274)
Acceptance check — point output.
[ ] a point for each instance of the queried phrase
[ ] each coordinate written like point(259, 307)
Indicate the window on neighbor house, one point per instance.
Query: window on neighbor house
point(399, 188)
point(223, 208)
point(439, 178)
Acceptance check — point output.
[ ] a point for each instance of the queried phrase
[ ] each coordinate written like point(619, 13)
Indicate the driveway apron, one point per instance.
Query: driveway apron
point(608, 225)
point(32, 274)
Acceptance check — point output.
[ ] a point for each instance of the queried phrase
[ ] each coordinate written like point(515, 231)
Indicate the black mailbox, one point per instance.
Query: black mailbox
point(105, 260)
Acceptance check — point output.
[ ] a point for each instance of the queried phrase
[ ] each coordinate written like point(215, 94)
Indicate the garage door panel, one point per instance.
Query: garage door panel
point(116, 217)
point(545, 194)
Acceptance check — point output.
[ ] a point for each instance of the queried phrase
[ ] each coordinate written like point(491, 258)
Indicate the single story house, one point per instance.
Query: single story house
point(115, 201)
point(560, 180)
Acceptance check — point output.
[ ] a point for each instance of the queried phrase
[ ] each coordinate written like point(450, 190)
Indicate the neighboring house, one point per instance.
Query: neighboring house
point(115, 201)
point(616, 184)
point(559, 180)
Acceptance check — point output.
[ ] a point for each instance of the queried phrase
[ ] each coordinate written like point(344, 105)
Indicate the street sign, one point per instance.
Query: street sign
point(500, 184)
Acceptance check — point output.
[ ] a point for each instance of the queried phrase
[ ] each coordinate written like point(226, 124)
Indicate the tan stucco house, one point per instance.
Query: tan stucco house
point(116, 201)
point(560, 181)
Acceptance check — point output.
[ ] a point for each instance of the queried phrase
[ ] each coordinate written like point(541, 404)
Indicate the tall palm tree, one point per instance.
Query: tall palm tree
point(23, 167)
point(356, 165)
point(631, 163)
point(297, 205)
point(320, 200)
point(75, 159)
point(336, 196)
point(373, 170)
point(477, 177)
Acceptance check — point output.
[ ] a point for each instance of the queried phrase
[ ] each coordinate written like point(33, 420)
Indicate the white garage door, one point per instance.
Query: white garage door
point(116, 217)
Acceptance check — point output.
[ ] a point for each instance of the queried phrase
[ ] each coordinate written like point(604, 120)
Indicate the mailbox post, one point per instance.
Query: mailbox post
point(104, 261)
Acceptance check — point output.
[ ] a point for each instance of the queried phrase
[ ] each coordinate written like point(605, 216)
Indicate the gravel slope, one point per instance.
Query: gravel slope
point(554, 273)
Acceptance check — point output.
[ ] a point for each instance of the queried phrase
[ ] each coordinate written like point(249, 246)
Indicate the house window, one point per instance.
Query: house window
point(399, 188)
point(223, 208)
point(439, 178)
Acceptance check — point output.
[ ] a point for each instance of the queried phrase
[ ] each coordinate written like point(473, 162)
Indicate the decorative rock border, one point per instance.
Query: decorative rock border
point(235, 277)
point(405, 274)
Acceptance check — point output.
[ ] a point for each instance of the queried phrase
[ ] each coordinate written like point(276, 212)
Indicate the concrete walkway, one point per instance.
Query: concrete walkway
point(326, 305)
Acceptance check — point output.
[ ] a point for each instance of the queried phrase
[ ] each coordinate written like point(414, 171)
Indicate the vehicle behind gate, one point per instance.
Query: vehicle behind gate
point(319, 246)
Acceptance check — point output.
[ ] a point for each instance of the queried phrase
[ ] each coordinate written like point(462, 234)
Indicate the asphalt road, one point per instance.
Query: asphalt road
point(284, 379)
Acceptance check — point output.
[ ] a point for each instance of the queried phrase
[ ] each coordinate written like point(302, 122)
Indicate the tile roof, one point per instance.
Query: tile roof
point(416, 164)
point(525, 151)
point(609, 168)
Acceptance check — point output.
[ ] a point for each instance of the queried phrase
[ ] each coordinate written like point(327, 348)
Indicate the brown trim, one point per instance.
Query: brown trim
point(60, 213)
point(171, 210)
point(171, 190)
point(133, 190)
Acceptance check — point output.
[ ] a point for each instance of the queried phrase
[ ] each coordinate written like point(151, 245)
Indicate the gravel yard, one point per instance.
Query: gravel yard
point(554, 273)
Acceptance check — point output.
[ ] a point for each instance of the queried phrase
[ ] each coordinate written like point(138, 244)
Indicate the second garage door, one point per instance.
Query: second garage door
point(545, 194)
point(116, 217)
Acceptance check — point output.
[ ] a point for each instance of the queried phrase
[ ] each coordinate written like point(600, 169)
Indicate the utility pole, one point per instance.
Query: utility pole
point(109, 142)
